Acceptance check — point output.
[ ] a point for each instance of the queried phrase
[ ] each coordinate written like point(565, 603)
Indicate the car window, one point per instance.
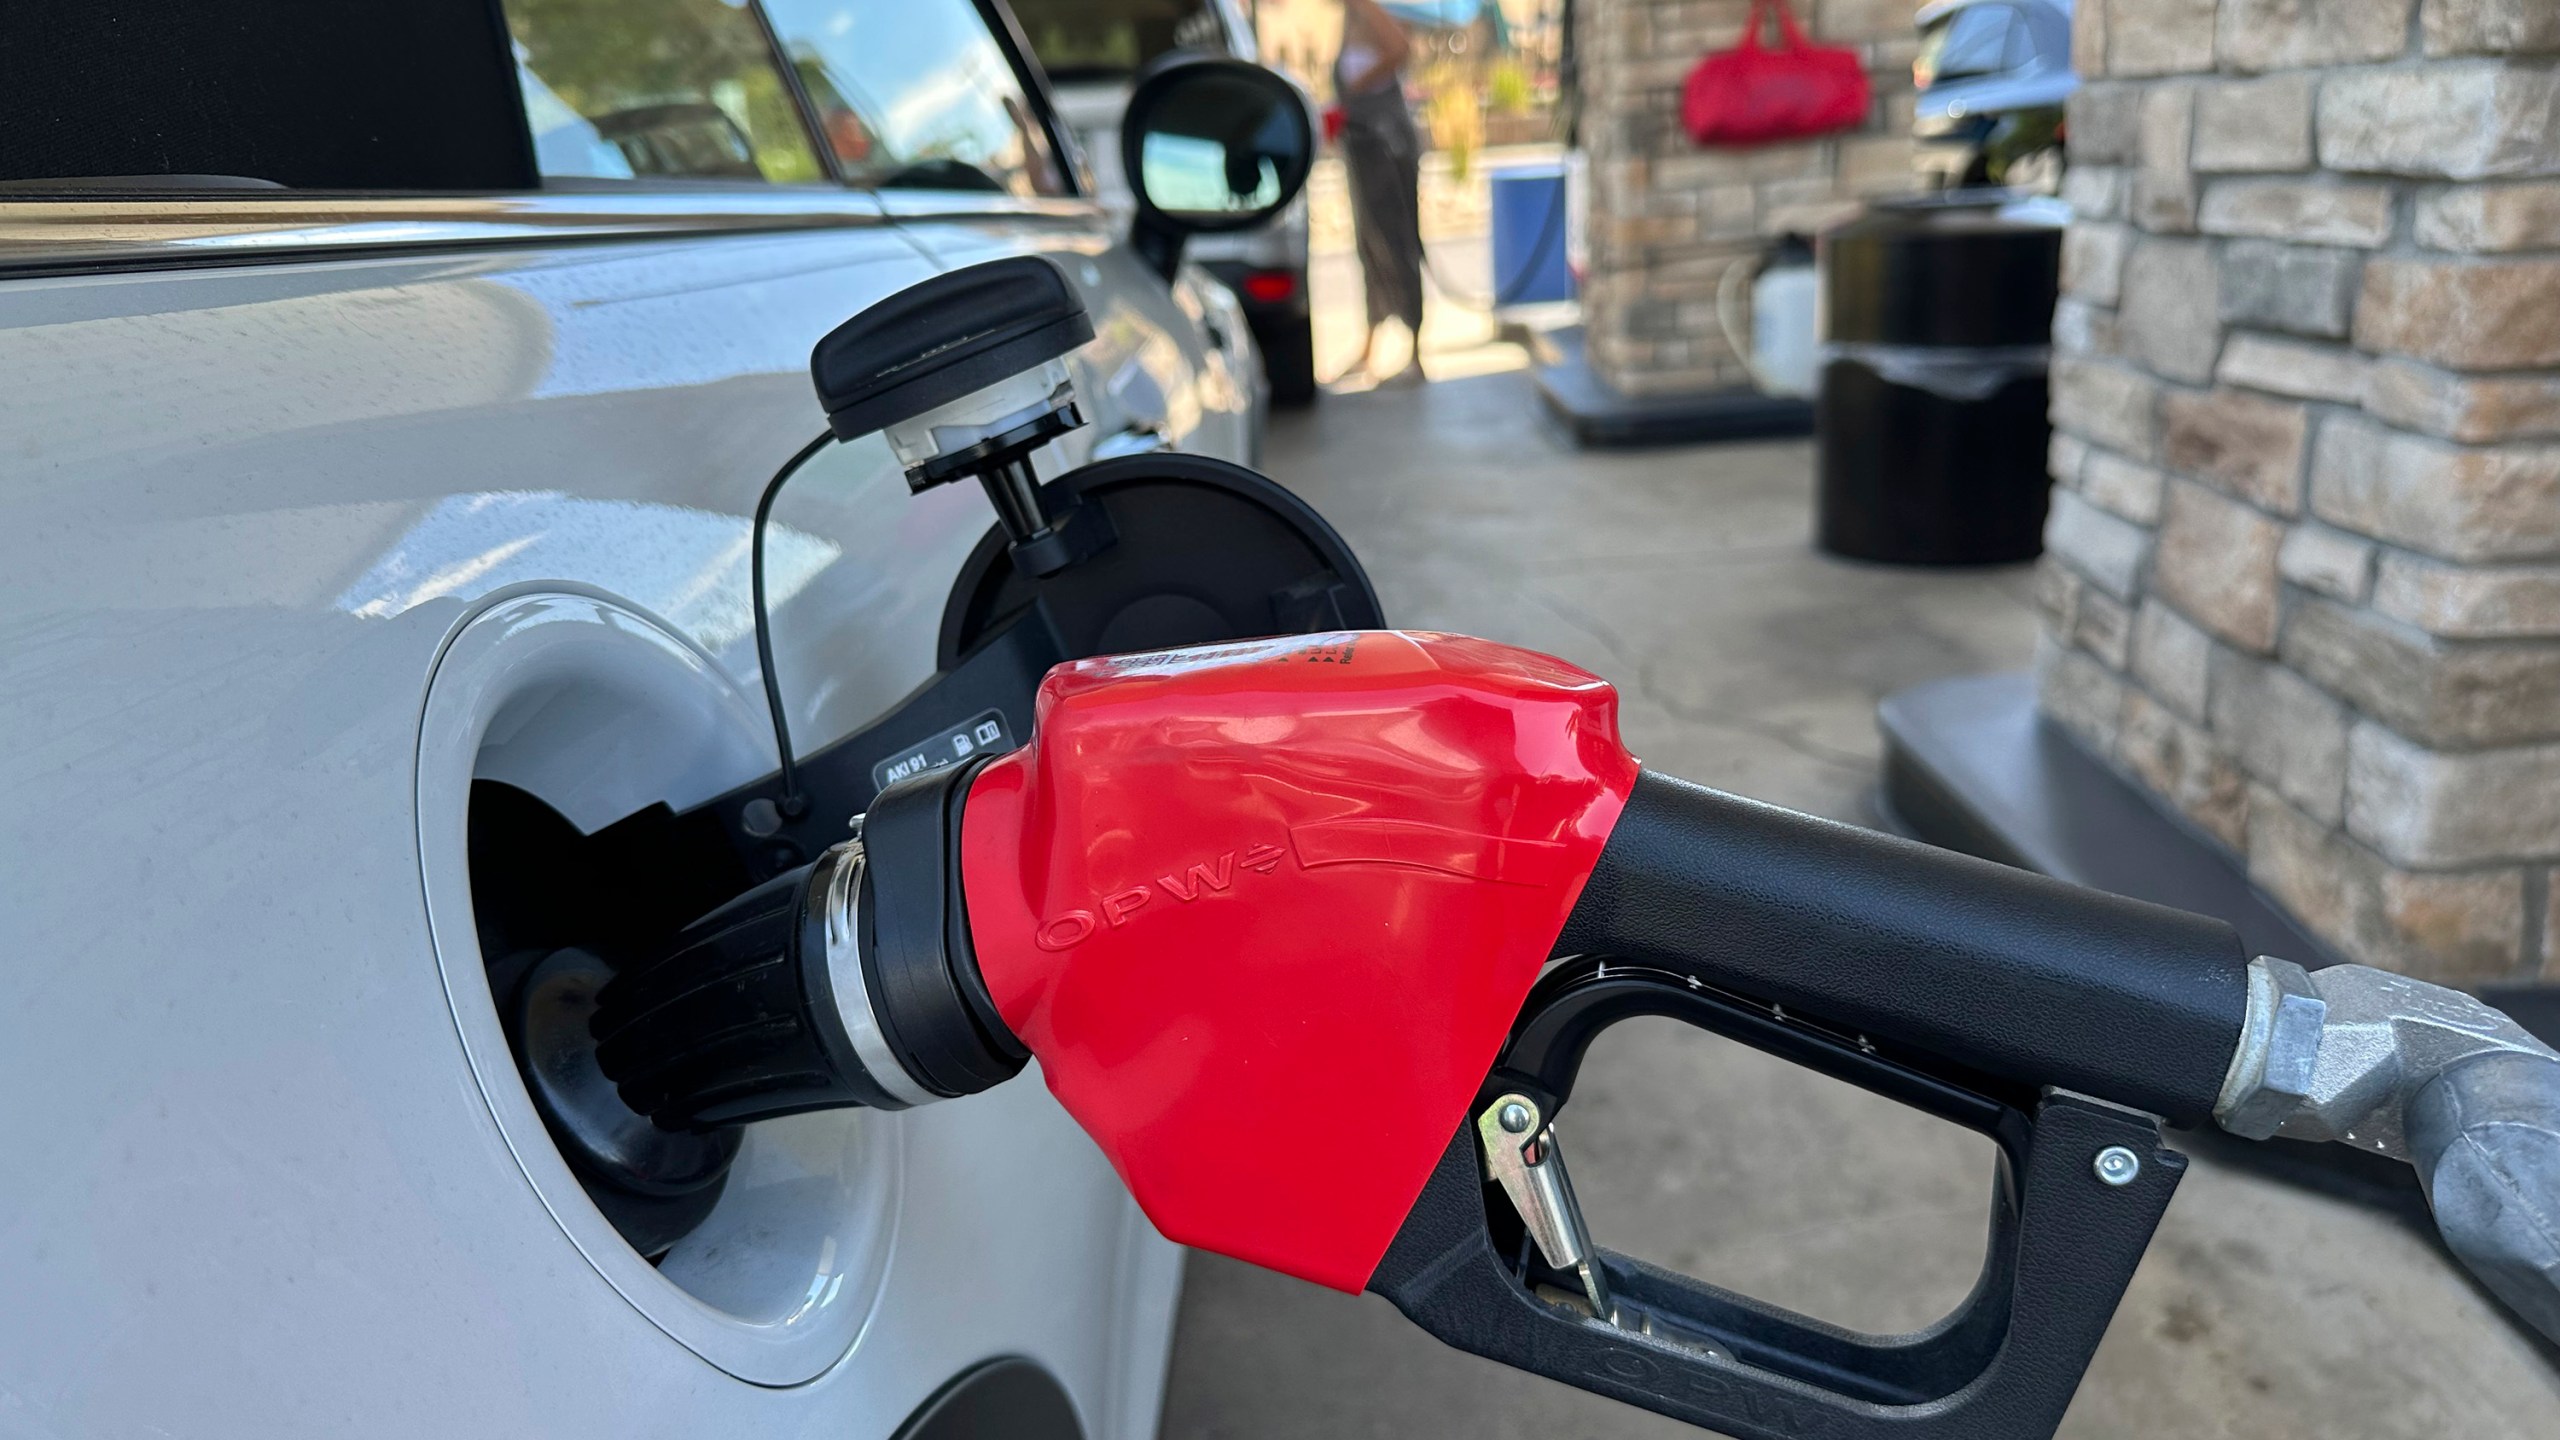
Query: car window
point(2022, 47)
point(1969, 42)
point(916, 94)
point(242, 97)
point(656, 89)
point(1106, 39)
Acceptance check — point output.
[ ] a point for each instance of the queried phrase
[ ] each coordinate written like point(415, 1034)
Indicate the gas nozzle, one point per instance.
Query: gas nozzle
point(847, 981)
point(1405, 881)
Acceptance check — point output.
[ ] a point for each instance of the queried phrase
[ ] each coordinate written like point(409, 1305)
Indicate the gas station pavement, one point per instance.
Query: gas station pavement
point(1749, 662)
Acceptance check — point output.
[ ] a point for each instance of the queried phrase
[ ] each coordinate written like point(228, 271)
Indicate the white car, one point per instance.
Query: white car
point(1091, 51)
point(384, 396)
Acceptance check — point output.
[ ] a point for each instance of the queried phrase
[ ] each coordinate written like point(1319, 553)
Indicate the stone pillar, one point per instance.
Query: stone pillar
point(1666, 217)
point(2303, 580)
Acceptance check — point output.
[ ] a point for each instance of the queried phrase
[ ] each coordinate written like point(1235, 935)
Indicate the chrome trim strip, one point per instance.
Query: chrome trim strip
point(972, 204)
point(852, 991)
point(143, 232)
point(56, 236)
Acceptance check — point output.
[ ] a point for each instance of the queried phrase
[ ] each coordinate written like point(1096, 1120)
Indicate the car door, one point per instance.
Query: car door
point(933, 107)
point(331, 495)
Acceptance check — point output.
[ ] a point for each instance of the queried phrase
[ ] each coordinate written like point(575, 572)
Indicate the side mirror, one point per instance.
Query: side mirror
point(1210, 144)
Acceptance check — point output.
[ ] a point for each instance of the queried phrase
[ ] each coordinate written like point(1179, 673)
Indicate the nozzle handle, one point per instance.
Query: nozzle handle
point(2000, 970)
point(2081, 1187)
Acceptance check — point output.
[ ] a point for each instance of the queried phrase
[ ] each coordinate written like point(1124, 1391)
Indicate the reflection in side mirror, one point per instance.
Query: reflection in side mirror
point(1211, 144)
point(1189, 177)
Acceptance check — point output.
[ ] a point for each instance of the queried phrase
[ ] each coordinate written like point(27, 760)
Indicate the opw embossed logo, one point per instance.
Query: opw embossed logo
point(1200, 880)
point(1352, 840)
point(1714, 1398)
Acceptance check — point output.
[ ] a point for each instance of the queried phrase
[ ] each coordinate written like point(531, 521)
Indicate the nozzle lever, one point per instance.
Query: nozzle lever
point(1521, 1152)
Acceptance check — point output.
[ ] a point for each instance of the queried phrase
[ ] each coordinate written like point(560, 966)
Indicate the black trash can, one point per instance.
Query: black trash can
point(1938, 313)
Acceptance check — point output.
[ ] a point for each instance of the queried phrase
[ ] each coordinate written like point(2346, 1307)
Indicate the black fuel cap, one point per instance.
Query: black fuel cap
point(943, 339)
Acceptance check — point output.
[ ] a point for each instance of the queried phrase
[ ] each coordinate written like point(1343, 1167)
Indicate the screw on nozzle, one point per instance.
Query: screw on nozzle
point(2117, 1166)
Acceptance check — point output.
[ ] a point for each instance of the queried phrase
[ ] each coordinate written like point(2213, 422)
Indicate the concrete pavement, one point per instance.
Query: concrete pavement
point(1749, 662)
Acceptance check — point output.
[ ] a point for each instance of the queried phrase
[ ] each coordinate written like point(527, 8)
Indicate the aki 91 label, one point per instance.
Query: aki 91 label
point(981, 734)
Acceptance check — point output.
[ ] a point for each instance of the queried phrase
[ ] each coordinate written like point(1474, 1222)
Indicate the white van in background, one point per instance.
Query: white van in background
point(1091, 50)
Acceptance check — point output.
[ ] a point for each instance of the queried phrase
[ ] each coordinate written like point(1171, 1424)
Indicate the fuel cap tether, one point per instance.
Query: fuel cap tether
point(966, 374)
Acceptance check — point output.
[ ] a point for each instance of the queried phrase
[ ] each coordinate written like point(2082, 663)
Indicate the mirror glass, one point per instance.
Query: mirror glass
point(1222, 143)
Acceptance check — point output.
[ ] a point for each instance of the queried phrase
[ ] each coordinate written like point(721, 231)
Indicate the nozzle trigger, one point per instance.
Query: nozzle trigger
point(1521, 1152)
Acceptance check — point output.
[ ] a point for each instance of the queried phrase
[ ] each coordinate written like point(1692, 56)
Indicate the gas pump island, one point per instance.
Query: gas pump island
point(1311, 933)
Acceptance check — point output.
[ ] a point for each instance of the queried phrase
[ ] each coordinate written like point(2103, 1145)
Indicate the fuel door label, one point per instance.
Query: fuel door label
point(982, 734)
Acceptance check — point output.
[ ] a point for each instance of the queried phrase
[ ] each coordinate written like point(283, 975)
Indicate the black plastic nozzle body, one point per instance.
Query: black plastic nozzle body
point(1999, 970)
point(745, 1015)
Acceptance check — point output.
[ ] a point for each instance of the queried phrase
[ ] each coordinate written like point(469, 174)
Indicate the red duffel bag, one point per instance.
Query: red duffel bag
point(1750, 96)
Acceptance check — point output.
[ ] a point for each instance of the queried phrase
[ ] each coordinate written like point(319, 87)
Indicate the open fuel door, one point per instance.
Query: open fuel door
point(1143, 552)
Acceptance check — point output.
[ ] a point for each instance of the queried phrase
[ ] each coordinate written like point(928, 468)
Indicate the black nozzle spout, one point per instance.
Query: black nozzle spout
point(848, 981)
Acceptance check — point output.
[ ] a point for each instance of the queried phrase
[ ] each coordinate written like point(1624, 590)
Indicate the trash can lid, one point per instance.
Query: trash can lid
point(1955, 268)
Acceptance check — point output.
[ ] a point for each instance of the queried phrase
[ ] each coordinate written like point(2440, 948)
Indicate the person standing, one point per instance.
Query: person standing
point(1382, 158)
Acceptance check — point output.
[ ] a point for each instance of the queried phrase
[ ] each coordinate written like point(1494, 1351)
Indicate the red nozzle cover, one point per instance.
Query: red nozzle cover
point(1265, 911)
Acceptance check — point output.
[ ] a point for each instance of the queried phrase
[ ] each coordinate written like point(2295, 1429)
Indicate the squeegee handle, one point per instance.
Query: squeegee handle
point(1996, 969)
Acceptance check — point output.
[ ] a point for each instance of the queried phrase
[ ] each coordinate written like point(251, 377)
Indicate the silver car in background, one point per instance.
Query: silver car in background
point(1993, 76)
point(1092, 50)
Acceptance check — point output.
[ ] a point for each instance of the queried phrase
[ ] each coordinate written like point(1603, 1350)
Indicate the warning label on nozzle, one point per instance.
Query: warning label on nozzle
point(1330, 648)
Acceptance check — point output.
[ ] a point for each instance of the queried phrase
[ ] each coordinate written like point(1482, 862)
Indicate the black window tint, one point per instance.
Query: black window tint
point(319, 94)
point(916, 93)
point(656, 89)
point(1101, 39)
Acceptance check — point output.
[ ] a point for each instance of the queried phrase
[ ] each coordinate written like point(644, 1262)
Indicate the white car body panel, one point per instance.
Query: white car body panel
point(253, 1187)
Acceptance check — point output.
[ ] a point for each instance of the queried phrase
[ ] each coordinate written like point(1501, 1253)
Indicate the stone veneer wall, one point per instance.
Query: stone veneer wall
point(1666, 217)
point(2303, 578)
